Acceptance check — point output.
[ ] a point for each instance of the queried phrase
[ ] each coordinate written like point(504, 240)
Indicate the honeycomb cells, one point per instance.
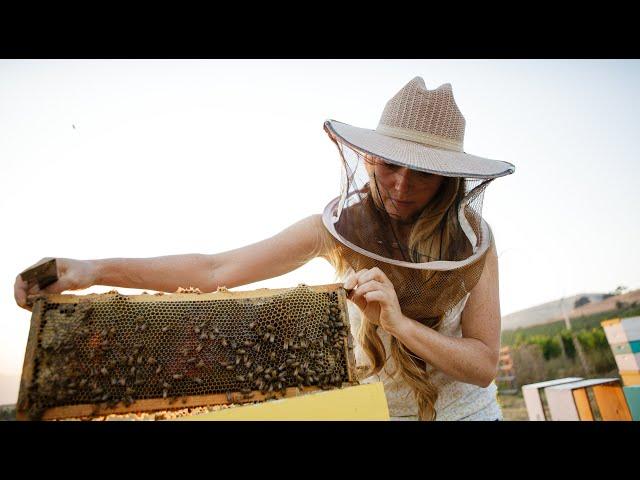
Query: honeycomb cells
point(114, 350)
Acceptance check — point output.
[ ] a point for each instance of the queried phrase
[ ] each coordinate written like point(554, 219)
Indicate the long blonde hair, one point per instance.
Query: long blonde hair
point(436, 234)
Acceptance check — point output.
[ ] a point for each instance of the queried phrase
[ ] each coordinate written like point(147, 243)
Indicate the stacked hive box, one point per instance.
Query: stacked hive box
point(623, 336)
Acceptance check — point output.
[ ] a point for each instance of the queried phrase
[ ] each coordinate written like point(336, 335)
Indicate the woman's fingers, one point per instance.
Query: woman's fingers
point(372, 274)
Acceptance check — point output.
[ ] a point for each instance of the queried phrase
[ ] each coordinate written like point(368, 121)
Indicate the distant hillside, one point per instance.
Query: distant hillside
point(606, 305)
point(548, 312)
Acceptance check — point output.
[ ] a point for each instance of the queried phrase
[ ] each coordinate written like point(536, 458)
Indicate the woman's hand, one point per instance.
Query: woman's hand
point(72, 275)
point(376, 297)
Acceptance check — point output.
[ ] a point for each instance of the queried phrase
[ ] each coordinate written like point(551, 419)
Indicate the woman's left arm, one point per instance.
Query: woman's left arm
point(474, 357)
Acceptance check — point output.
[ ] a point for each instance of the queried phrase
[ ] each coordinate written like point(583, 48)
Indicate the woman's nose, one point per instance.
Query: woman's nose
point(402, 180)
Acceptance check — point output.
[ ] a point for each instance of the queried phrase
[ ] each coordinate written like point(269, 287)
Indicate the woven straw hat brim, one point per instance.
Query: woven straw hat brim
point(419, 156)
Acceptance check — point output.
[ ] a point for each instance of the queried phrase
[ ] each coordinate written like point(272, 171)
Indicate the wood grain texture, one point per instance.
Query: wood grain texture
point(582, 404)
point(611, 402)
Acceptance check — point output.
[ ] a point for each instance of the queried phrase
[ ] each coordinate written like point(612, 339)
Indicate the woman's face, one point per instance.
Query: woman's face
point(403, 191)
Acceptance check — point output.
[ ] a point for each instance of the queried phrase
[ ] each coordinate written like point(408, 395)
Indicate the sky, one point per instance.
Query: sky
point(204, 156)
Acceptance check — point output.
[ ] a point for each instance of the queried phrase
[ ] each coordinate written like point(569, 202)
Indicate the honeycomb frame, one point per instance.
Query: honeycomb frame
point(95, 355)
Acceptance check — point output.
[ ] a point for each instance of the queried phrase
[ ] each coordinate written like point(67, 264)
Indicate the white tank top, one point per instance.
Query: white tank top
point(456, 400)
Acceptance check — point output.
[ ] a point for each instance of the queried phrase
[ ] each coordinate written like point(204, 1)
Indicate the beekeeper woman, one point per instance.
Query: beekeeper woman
point(407, 237)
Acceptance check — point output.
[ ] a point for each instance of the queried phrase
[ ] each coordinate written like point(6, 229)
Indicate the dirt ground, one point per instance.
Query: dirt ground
point(513, 407)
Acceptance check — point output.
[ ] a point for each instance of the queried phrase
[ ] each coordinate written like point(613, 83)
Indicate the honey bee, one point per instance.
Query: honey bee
point(177, 376)
point(198, 380)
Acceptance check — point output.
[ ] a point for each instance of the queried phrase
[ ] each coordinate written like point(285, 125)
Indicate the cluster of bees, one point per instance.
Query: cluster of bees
point(81, 360)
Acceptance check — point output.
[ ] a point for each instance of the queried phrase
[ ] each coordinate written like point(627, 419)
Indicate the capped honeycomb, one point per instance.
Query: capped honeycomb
point(111, 353)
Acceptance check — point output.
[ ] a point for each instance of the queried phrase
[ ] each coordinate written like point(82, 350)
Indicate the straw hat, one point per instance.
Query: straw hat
point(422, 129)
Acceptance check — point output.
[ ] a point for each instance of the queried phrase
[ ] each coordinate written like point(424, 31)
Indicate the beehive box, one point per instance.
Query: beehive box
point(109, 353)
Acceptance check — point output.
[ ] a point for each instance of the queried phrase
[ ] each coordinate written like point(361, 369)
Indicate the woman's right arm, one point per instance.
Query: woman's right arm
point(275, 256)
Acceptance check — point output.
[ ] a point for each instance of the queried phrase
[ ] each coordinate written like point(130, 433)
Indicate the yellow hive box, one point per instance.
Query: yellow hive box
point(360, 402)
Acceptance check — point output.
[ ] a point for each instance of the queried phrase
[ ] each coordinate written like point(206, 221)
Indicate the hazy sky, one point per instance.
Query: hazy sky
point(173, 157)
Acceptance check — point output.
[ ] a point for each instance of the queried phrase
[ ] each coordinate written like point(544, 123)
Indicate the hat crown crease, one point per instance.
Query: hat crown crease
point(429, 117)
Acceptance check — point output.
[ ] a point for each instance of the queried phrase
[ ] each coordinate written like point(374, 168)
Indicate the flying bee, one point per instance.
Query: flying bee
point(240, 378)
point(177, 376)
point(198, 380)
point(196, 329)
point(158, 369)
point(151, 361)
point(191, 360)
point(252, 325)
point(164, 329)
